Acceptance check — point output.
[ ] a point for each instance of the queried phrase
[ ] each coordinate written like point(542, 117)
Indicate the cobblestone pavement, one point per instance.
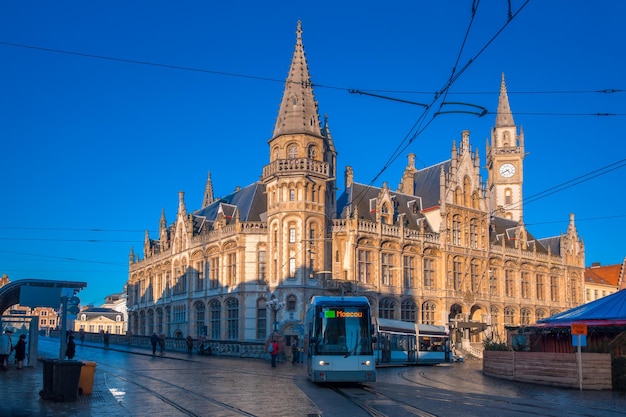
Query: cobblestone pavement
point(170, 385)
point(178, 385)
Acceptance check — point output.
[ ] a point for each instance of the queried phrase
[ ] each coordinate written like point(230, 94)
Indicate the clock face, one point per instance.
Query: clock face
point(507, 170)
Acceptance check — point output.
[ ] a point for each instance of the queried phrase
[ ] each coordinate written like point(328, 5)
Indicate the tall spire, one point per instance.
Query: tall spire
point(298, 108)
point(208, 192)
point(504, 117)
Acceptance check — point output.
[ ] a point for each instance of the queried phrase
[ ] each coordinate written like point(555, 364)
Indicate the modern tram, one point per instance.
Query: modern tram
point(406, 343)
point(338, 340)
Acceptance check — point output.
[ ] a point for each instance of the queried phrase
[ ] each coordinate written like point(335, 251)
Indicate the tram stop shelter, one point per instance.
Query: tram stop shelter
point(34, 293)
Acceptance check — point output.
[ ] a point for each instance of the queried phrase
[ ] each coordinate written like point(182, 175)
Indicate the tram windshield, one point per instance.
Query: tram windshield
point(343, 331)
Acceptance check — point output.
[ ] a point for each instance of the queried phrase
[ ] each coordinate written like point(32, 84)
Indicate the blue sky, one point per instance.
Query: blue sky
point(93, 149)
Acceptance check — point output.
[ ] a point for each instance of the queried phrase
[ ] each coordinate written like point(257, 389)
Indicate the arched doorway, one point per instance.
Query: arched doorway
point(293, 333)
point(455, 318)
point(478, 317)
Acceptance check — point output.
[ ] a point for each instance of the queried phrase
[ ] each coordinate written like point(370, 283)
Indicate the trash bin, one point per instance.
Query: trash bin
point(48, 371)
point(60, 379)
point(87, 373)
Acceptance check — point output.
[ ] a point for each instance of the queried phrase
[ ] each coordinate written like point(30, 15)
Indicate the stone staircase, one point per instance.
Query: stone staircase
point(471, 350)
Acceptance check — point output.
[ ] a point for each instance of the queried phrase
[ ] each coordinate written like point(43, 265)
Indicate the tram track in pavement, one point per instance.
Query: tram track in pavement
point(143, 382)
point(175, 404)
point(185, 398)
point(496, 402)
point(378, 404)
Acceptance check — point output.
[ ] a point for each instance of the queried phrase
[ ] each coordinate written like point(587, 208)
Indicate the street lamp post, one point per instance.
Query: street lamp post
point(275, 306)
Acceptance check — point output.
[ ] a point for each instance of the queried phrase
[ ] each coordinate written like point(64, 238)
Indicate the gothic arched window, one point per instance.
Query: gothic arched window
point(386, 308)
point(408, 311)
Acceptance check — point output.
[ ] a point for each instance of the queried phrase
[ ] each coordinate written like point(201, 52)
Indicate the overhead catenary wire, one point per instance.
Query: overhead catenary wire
point(323, 86)
point(570, 183)
point(419, 126)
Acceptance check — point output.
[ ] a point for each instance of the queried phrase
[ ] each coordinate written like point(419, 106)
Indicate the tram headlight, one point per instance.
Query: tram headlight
point(324, 363)
point(366, 363)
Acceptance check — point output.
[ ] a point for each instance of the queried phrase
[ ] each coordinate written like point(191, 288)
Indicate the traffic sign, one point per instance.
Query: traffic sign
point(579, 328)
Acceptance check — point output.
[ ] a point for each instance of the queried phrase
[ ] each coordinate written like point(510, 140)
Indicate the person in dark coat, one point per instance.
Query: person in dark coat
point(20, 351)
point(162, 343)
point(70, 350)
point(154, 340)
point(295, 352)
point(189, 344)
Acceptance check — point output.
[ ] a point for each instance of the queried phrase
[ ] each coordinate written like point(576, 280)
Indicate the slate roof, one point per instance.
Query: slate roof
point(554, 243)
point(100, 310)
point(426, 184)
point(360, 195)
point(249, 203)
point(609, 310)
point(506, 229)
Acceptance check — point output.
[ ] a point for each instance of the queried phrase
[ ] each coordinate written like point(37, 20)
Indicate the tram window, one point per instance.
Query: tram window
point(431, 344)
point(342, 331)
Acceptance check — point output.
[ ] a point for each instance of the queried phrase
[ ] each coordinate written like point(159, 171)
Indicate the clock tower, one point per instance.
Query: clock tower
point(505, 157)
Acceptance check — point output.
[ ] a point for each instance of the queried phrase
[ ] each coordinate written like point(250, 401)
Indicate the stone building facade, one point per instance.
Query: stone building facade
point(444, 247)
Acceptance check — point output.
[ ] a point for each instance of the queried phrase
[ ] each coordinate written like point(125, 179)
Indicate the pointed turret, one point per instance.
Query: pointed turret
point(298, 108)
point(330, 145)
point(163, 234)
point(182, 208)
point(571, 227)
point(407, 182)
point(504, 117)
point(147, 247)
point(162, 222)
point(208, 192)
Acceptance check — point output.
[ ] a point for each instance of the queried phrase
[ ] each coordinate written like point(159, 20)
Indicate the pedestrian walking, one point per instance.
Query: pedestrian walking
point(273, 350)
point(81, 336)
point(6, 347)
point(162, 343)
point(107, 338)
point(189, 344)
point(70, 350)
point(20, 352)
point(154, 339)
point(295, 353)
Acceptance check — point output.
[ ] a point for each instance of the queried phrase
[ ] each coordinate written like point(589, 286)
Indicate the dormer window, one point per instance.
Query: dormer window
point(385, 217)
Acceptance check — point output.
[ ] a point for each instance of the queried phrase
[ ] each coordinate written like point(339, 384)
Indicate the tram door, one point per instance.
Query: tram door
point(411, 349)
